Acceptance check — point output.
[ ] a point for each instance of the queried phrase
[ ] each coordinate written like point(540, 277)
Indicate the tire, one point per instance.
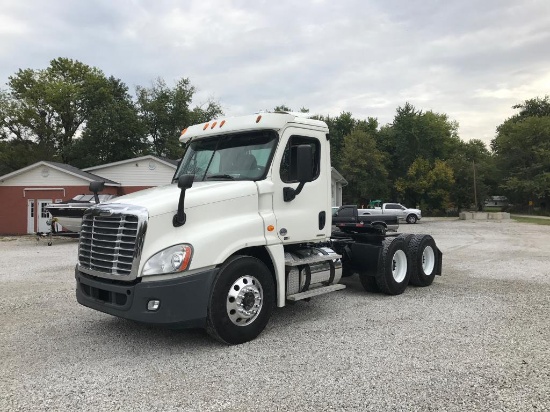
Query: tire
point(412, 218)
point(242, 280)
point(369, 282)
point(381, 228)
point(407, 237)
point(393, 271)
point(424, 260)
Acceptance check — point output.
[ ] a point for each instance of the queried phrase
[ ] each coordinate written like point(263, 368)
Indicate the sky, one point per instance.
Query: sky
point(470, 59)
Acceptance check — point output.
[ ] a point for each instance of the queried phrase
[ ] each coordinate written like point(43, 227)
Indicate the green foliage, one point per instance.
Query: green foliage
point(537, 107)
point(165, 111)
point(366, 174)
point(51, 106)
point(339, 127)
point(472, 159)
point(522, 153)
point(113, 131)
point(533, 220)
point(427, 183)
point(416, 134)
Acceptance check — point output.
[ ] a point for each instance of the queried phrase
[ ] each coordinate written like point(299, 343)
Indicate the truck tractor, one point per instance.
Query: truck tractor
point(244, 227)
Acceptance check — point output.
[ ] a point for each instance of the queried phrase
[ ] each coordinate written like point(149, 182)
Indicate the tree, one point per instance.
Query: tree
point(537, 107)
point(165, 111)
point(113, 131)
point(428, 185)
point(363, 166)
point(472, 160)
point(51, 106)
point(339, 127)
point(522, 153)
point(417, 134)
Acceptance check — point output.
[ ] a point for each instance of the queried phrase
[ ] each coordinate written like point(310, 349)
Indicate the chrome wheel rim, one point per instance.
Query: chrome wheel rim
point(244, 300)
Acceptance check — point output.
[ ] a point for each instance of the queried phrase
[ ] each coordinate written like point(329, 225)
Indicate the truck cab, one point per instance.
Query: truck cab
point(154, 255)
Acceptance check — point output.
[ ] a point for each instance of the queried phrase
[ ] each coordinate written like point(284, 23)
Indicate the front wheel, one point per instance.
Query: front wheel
point(241, 301)
point(412, 218)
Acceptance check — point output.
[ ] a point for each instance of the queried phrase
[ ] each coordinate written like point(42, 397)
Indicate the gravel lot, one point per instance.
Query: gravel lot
point(477, 339)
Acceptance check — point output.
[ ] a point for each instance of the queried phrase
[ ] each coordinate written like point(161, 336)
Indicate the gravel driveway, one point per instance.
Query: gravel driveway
point(477, 339)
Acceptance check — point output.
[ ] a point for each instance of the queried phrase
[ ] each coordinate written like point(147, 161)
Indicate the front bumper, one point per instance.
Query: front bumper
point(183, 301)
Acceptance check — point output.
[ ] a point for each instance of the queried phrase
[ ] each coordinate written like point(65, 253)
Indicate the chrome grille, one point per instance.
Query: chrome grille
point(111, 239)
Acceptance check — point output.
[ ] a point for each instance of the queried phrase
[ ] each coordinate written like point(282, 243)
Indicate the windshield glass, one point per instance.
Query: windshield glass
point(240, 156)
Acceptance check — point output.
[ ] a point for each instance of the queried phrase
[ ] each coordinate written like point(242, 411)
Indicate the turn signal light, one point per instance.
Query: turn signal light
point(270, 228)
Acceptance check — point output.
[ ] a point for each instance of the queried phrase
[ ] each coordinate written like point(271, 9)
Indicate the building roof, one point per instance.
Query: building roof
point(62, 167)
point(168, 162)
point(338, 177)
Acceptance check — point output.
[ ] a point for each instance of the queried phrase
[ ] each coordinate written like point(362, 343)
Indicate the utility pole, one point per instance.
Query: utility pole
point(475, 189)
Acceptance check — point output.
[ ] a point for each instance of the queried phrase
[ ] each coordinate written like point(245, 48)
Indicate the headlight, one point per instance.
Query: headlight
point(173, 259)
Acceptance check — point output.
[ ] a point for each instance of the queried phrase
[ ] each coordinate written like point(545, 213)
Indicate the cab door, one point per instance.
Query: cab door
point(306, 217)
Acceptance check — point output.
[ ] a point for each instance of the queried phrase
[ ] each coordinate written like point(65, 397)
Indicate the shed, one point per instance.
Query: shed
point(337, 183)
point(137, 173)
point(25, 193)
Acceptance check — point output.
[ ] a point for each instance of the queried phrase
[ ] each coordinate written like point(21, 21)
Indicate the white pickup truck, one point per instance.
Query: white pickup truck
point(396, 209)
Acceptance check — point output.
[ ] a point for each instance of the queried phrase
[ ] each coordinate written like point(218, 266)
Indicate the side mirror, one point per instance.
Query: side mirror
point(304, 171)
point(184, 183)
point(96, 187)
point(304, 160)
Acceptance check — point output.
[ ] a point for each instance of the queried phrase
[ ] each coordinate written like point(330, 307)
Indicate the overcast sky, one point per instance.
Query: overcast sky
point(471, 59)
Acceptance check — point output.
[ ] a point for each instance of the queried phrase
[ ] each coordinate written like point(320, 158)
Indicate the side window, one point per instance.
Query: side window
point(346, 212)
point(288, 164)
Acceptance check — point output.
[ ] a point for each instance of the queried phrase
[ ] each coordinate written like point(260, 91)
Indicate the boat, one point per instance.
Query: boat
point(69, 213)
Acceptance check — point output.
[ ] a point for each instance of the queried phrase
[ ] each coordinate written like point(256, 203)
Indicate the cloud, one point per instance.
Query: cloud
point(468, 59)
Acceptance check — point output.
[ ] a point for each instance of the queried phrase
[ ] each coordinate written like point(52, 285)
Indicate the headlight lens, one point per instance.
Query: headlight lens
point(173, 259)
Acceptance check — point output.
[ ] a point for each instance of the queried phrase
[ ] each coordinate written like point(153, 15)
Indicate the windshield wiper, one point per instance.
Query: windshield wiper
point(220, 176)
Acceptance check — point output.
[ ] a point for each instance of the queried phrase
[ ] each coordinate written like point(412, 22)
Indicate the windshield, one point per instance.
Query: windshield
point(240, 156)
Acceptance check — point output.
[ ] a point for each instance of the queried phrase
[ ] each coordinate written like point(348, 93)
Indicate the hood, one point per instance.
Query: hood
point(164, 199)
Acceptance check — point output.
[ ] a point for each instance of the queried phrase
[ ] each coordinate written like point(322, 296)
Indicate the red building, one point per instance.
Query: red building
point(25, 193)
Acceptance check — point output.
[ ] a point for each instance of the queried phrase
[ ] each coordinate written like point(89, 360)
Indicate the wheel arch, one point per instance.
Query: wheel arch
point(268, 258)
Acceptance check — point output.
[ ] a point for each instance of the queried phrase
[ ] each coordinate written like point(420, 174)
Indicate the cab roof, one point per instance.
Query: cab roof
point(260, 121)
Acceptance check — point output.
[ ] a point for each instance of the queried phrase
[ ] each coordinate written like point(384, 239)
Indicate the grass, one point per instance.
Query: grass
point(531, 220)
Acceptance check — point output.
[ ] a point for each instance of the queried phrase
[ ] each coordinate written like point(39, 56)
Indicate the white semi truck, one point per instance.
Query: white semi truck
point(245, 227)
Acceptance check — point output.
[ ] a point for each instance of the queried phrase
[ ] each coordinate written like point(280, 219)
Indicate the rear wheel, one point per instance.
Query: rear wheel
point(393, 271)
point(424, 260)
point(241, 301)
point(411, 218)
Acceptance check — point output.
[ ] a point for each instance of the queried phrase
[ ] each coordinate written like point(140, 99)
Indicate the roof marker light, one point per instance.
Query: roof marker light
point(205, 126)
point(258, 118)
point(213, 125)
point(222, 123)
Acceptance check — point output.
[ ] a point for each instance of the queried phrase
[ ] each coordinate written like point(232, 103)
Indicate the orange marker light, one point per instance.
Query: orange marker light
point(222, 123)
point(183, 131)
point(205, 126)
point(213, 125)
point(258, 118)
point(270, 228)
